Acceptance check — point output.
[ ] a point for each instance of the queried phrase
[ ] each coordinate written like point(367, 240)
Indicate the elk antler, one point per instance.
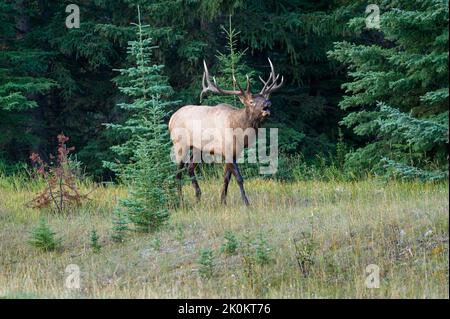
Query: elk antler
point(271, 84)
point(213, 87)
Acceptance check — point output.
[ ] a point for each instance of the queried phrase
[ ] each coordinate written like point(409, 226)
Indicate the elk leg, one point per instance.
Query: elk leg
point(191, 171)
point(240, 181)
point(226, 181)
point(179, 180)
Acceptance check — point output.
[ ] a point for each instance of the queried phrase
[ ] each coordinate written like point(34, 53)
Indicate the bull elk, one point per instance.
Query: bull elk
point(220, 117)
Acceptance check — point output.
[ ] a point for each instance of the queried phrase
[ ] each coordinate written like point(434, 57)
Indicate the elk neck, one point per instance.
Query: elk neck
point(244, 118)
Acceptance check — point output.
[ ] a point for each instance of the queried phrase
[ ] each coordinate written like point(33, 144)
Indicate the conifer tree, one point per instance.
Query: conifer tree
point(43, 237)
point(230, 64)
point(397, 99)
point(145, 164)
point(120, 225)
point(21, 81)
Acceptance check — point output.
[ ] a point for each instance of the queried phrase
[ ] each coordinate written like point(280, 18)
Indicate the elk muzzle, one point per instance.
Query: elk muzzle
point(266, 110)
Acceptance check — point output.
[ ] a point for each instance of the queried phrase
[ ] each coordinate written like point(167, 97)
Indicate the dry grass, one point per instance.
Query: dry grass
point(339, 228)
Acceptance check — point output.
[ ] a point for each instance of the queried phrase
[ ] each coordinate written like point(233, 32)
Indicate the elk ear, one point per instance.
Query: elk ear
point(243, 99)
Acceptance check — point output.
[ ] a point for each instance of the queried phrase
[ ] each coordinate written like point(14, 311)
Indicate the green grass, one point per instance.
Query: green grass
point(318, 238)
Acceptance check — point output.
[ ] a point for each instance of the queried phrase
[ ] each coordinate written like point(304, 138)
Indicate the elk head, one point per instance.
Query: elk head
point(257, 105)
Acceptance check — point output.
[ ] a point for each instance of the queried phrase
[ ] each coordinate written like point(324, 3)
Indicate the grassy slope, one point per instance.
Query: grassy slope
point(401, 227)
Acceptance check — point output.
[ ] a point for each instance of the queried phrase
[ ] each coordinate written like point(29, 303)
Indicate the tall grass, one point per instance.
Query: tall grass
point(317, 236)
point(292, 168)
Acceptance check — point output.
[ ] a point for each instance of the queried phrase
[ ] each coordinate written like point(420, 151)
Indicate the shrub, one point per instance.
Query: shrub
point(304, 252)
point(95, 245)
point(255, 255)
point(206, 261)
point(61, 193)
point(231, 244)
point(43, 237)
point(262, 251)
point(120, 226)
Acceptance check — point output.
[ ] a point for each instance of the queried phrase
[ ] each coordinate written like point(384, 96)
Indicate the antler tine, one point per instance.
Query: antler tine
point(247, 90)
point(238, 85)
point(206, 72)
point(274, 83)
point(271, 84)
point(213, 87)
point(272, 69)
point(265, 85)
point(205, 81)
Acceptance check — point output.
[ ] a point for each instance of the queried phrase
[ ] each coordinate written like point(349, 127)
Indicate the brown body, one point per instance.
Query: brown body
point(220, 118)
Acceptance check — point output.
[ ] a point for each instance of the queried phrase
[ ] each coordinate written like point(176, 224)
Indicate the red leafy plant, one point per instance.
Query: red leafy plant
point(60, 193)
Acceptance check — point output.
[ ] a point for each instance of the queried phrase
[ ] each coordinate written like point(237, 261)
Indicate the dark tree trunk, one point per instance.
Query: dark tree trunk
point(22, 19)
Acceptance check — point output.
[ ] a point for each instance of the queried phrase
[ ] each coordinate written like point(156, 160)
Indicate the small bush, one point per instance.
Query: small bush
point(95, 245)
point(231, 244)
point(120, 226)
point(262, 251)
point(206, 261)
point(61, 193)
point(43, 237)
point(255, 255)
point(304, 252)
point(248, 261)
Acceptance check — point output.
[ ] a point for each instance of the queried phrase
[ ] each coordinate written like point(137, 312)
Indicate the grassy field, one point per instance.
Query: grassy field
point(297, 240)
